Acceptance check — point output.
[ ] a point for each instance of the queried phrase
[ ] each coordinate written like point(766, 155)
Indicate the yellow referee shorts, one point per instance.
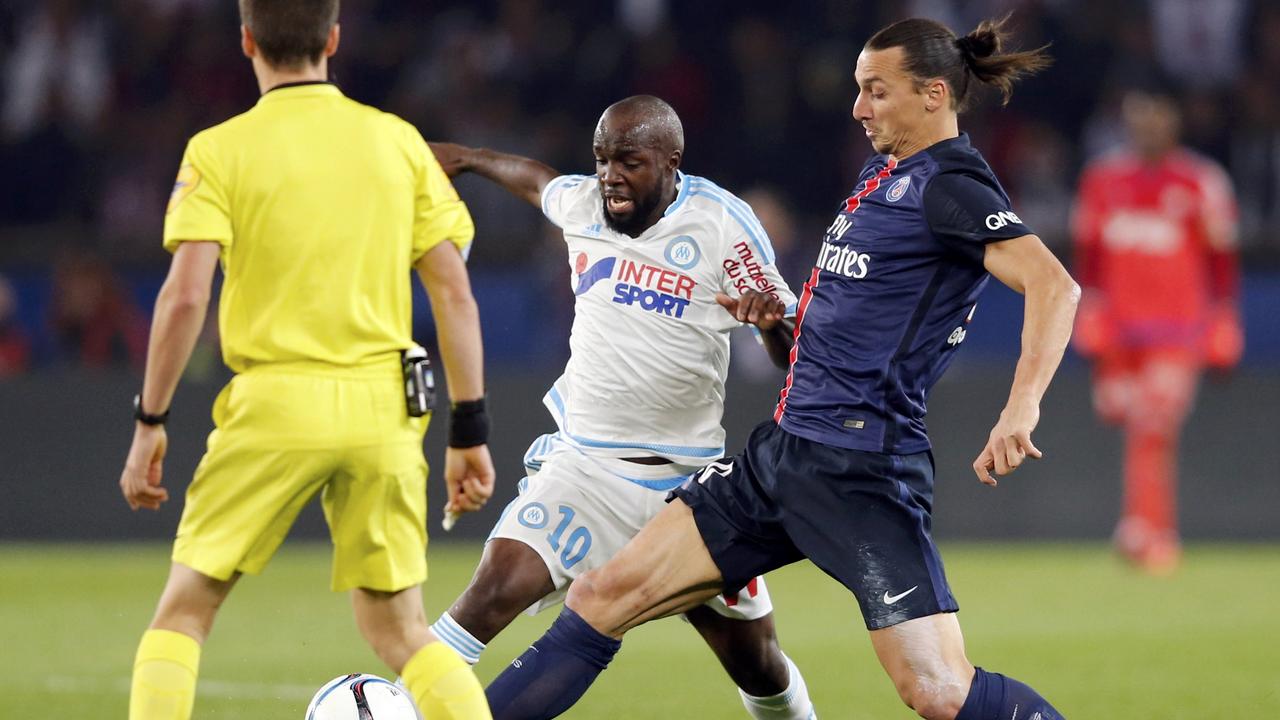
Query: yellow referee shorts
point(285, 432)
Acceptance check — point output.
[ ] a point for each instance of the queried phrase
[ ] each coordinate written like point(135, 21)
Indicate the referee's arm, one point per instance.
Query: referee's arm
point(1029, 268)
point(469, 470)
point(179, 316)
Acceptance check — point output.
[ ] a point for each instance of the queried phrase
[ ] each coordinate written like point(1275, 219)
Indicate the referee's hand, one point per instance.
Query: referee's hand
point(468, 473)
point(144, 468)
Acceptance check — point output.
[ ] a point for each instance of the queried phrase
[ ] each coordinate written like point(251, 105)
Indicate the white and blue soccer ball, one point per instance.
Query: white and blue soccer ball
point(359, 696)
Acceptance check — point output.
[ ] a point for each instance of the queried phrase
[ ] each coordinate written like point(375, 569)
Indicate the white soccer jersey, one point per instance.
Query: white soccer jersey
point(650, 345)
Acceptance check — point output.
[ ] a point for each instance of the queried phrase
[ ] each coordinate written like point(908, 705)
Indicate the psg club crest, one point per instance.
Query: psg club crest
point(898, 189)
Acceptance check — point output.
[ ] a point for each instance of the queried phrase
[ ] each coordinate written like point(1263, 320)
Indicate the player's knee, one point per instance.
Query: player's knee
point(932, 699)
point(393, 623)
point(585, 592)
point(190, 613)
point(192, 622)
point(395, 647)
point(601, 594)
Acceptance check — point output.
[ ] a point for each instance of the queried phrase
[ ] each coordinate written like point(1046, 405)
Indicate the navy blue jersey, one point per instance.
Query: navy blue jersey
point(886, 305)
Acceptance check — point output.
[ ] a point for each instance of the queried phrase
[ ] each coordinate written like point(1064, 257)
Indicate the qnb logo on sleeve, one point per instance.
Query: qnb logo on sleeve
point(843, 260)
point(995, 221)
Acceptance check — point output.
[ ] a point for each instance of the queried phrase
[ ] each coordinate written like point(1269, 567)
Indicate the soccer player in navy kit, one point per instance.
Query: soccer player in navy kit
point(842, 474)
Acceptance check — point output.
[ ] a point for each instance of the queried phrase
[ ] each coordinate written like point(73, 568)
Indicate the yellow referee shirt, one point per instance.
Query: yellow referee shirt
point(321, 205)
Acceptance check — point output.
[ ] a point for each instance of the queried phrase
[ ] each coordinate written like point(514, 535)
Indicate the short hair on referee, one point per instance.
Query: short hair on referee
point(931, 50)
point(289, 33)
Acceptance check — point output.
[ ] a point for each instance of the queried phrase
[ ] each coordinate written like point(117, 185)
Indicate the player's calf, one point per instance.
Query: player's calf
point(993, 696)
point(511, 577)
point(554, 672)
point(748, 650)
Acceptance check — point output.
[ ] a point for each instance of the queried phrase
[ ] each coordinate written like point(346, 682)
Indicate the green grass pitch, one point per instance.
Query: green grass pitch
point(1098, 640)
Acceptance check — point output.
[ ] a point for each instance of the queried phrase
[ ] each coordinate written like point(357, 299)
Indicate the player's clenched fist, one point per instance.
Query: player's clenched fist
point(144, 468)
point(760, 309)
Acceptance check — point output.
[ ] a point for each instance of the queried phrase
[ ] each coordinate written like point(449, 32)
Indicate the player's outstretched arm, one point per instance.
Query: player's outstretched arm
point(468, 468)
point(1027, 266)
point(175, 326)
point(521, 176)
point(766, 313)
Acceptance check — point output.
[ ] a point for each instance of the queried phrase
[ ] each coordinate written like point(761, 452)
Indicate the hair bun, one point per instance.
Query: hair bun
point(980, 43)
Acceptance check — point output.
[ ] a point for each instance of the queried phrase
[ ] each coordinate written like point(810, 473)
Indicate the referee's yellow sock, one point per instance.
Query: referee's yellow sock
point(164, 676)
point(444, 685)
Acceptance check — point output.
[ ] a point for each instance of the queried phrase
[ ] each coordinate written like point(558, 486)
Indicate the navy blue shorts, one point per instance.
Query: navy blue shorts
point(863, 517)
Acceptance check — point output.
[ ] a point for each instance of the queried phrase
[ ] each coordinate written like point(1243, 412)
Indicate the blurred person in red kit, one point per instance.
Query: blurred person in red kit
point(1155, 237)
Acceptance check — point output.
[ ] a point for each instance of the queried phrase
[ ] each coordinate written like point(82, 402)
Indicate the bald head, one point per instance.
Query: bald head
point(641, 121)
point(638, 147)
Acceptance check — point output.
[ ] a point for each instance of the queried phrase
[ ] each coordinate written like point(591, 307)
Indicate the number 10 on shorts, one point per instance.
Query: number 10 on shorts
point(572, 549)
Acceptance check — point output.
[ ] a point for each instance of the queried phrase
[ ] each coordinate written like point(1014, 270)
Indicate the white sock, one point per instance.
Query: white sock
point(457, 637)
point(790, 704)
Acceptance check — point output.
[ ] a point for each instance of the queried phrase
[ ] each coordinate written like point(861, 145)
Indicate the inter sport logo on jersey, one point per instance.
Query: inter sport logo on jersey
point(649, 287)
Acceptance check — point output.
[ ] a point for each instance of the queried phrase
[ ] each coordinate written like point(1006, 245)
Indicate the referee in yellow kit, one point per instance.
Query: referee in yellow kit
point(318, 208)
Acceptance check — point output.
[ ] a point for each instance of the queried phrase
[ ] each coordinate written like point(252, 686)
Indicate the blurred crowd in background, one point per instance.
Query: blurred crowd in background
point(97, 100)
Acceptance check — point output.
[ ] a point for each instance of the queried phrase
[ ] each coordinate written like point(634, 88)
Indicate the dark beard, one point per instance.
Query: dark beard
point(635, 224)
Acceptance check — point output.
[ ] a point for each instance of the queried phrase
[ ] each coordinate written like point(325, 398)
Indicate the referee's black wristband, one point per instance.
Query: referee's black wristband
point(468, 424)
point(144, 417)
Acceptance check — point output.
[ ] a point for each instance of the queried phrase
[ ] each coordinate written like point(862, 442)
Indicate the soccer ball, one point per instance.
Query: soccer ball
point(362, 697)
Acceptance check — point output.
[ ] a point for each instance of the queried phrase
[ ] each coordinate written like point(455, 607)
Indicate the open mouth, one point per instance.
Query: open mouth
point(618, 205)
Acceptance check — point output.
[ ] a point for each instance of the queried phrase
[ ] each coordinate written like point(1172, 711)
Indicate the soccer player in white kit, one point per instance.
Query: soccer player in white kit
point(664, 265)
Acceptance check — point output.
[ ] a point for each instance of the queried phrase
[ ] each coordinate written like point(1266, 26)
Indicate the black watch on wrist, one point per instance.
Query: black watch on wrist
point(141, 416)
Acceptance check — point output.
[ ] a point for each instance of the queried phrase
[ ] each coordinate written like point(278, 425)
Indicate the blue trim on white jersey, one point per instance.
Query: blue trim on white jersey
point(533, 456)
point(687, 451)
point(562, 183)
point(663, 484)
point(557, 407)
point(738, 210)
point(558, 401)
point(682, 194)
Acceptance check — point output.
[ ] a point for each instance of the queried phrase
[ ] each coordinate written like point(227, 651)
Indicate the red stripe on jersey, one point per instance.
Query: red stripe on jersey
point(805, 297)
point(850, 205)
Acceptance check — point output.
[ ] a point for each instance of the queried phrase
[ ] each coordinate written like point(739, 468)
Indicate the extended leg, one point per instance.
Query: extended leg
point(664, 570)
point(168, 659)
point(395, 626)
point(770, 685)
point(925, 659)
point(511, 577)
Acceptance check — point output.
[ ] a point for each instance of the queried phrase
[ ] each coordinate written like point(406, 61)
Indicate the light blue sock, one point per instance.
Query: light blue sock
point(457, 637)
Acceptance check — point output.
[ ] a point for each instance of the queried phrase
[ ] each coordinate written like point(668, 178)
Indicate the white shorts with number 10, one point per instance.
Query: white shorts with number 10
point(577, 510)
